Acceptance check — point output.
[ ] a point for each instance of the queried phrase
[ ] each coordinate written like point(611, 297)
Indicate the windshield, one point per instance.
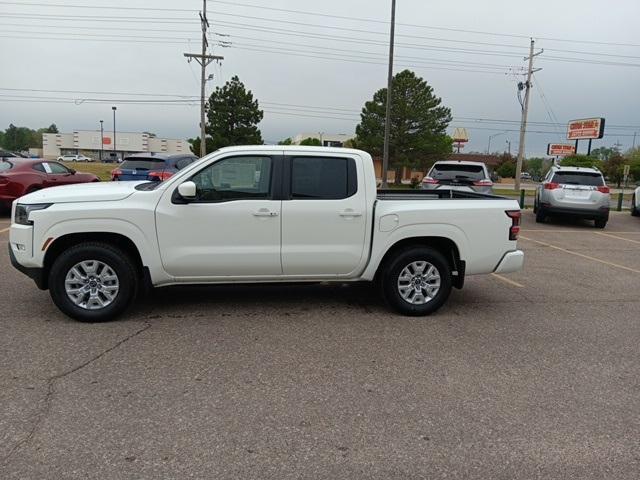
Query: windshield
point(142, 164)
point(578, 178)
point(4, 166)
point(446, 171)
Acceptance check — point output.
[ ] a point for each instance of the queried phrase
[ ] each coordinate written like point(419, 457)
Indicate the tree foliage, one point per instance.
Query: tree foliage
point(581, 161)
point(310, 141)
point(613, 168)
point(604, 153)
point(233, 116)
point(22, 138)
point(418, 124)
point(286, 141)
point(632, 158)
point(538, 167)
point(506, 166)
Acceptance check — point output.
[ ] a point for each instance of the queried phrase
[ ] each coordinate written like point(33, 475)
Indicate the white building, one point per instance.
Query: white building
point(327, 140)
point(87, 142)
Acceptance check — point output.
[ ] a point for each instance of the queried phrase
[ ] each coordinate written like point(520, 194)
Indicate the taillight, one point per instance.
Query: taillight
point(430, 180)
point(551, 186)
point(514, 229)
point(115, 173)
point(603, 189)
point(161, 176)
point(483, 183)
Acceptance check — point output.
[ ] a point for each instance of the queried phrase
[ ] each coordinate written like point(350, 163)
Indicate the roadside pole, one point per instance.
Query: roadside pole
point(387, 116)
point(525, 112)
point(625, 178)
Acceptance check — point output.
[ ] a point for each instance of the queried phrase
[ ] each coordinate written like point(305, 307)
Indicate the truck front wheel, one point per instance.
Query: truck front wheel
point(93, 282)
point(417, 281)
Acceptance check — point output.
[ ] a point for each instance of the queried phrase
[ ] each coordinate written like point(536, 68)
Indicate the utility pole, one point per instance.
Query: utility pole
point(525, 112)
point(203, 59)
point(114, 134)
point(387, 117)
point(101, 138)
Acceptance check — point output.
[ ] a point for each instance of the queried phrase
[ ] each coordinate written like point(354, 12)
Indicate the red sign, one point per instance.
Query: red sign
point(106, 140)
point(561, 149)
point(585, 129)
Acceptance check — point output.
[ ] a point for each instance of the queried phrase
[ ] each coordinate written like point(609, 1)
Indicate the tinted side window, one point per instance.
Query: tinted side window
point(323, 178)
point(39, 168)
point(235, 178)
point(183, 162)
point(58, 169)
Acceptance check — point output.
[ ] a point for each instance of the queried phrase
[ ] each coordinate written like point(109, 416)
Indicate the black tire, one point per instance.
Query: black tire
point(535, 207)
point(541, 215)
point(601, 222)
point(634, 211)
point(115, 258)
point(391, 272)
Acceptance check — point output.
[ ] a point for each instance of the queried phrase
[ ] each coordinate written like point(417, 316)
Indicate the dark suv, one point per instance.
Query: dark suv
point(155, 167)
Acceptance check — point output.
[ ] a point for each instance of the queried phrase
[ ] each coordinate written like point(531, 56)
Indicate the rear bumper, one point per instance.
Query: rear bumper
point(34, 273)
point(511, 262)
point(589, 213)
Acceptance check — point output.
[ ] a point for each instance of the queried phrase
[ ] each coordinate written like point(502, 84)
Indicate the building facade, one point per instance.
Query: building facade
point(88, 143)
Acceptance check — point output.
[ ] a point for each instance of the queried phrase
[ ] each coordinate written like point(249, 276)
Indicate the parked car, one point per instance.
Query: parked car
point(260, 214)
point(74, 158)
point(151, 166)
point(574, 191)
point(20, 176)
point(7, 154)
point(458, 175)
point(526, 176)
point(635, 203)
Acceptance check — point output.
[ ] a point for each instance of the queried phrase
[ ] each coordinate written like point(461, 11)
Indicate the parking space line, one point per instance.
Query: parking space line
point(619, 238)
point(599, 260)
point(5, 229)
point(507, 280)
point(544, 230)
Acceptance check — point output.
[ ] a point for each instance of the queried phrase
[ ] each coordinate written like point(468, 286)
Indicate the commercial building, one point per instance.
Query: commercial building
point(87, 142)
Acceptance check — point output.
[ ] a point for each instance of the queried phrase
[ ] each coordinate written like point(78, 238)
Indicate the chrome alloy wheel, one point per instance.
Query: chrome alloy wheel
point(91, 284)
point(419, 282)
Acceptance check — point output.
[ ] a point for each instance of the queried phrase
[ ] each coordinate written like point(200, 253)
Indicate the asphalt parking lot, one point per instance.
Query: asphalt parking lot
point(530, 375)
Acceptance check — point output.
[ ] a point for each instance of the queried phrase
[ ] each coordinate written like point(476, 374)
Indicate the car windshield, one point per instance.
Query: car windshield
point(4, 166)
point(142, 164)
point(447, 171)
point(578, 178)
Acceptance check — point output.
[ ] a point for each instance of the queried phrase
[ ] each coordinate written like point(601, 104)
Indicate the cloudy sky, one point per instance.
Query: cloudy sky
point(312, 65)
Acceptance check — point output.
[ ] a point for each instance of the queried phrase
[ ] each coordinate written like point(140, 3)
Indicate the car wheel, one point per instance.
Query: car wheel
point(93, 282)
point(541, 215)
point(601, 222)
point(417, 281)
point(535, 205)
point(634, 210)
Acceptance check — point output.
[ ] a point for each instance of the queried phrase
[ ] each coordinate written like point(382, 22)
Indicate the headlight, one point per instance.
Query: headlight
point(23, 211)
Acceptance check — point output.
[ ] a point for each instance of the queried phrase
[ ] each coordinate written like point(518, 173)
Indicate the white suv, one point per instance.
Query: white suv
point(573, 191)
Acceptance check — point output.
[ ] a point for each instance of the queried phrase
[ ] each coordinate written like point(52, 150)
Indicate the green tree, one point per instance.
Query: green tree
point(286, 141)
point(538, 167)
point(632, 158)
point(581, 161)
point(418, 124)
point(232, 118)
point(604, 153)
point(310, 141)
point(613, 168)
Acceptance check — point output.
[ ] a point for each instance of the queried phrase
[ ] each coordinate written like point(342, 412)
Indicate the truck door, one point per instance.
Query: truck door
point(323, 215)
point(231, 228)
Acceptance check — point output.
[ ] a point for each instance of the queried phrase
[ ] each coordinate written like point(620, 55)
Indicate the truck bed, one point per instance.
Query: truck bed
point(442, 193)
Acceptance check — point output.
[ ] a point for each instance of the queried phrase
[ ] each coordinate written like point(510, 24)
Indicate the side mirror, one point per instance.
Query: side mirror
point(187, 190)
point(72, 171)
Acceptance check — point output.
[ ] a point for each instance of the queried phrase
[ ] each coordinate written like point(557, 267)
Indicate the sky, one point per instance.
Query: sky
point(312, 65)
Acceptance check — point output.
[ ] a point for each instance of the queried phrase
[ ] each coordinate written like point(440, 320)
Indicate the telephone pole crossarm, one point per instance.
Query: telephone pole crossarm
point(207, 59)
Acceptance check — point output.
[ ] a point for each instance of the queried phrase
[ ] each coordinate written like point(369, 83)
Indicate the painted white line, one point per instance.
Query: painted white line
point(5, 230)
point(507, 280)
point(599, 260)
point(618, 238)
point(570, 231)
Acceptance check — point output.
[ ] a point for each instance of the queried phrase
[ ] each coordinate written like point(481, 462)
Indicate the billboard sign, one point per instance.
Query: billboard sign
point(585, 129)
point(561, 149)
point(460, 135)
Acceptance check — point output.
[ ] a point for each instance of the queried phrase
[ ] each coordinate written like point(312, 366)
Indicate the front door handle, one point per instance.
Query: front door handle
point(265, 212)
point(350, 213)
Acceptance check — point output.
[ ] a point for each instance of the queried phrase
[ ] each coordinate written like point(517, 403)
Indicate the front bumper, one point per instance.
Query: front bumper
point(34, 273)
point(511, 262)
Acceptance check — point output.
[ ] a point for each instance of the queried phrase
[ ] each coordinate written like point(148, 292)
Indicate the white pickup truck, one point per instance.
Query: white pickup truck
point(259, 214)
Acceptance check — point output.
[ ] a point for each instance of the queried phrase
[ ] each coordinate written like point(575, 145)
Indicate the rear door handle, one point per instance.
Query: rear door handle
point(350, 213)
point(265, 212)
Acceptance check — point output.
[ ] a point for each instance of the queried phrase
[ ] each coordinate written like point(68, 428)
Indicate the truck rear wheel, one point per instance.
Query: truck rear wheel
point(417, 281)
point(93, 282)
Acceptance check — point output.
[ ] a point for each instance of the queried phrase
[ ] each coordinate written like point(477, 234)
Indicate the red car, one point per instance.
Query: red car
point(19, 176)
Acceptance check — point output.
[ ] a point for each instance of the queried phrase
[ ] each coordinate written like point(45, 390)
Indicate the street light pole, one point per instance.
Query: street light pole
point(114, 133)
point(101, 138)
point(387, 117)
point(490, 137)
